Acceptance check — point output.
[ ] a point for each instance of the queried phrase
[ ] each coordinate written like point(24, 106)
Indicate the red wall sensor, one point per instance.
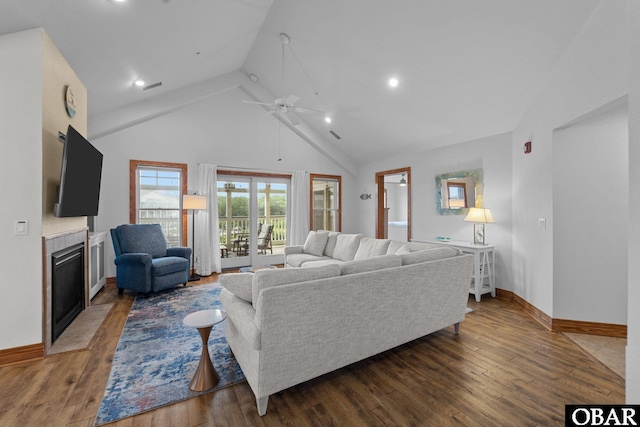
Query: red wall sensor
point(527, 147)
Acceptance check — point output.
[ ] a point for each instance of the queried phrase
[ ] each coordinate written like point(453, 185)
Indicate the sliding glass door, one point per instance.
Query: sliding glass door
point(252, 213)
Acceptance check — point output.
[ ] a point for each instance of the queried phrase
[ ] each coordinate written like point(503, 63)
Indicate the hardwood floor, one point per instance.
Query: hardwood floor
point(503, 369)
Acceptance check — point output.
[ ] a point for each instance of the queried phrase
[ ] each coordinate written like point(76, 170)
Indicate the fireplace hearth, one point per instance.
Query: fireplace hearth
point(67, 288)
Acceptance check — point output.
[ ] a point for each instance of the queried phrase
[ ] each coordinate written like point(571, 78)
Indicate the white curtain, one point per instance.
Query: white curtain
point(207, 241)
point(298, 218)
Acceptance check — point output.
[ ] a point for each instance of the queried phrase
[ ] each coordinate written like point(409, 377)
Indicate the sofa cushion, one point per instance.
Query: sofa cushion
point(346, 246)
point(238, 284)
point(331, 243)
point(370, 247)
point(429, 255)
point(263, 279)
point(394, 245)
point(315, 243)
point(370, 264)
point(296, 260)
point(415, 247)
point(168, 265)
point(321, 262)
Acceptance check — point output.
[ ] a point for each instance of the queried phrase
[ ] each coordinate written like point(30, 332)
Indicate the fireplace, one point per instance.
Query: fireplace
point(67, 287)
point(58, 245)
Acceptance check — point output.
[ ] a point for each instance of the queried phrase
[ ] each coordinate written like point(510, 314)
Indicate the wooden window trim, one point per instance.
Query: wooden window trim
point(133, 166)
point(338, 178)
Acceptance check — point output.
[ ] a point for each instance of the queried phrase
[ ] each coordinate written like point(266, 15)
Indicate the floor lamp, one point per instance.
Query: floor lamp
point(193, 202)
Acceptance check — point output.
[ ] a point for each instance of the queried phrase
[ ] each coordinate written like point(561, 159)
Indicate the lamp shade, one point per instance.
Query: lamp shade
point(194, 202)
point(480, 215)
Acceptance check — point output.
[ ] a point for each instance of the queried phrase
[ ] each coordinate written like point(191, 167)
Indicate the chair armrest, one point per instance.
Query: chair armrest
point(133, 258)
point(297, 249)
point(179, 251)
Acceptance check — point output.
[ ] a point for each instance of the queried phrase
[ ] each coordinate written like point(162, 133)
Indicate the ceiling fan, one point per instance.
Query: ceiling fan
point(286, 106)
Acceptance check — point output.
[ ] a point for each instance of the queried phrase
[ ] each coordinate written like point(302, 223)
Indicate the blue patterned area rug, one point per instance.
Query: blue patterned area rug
point(157, 354)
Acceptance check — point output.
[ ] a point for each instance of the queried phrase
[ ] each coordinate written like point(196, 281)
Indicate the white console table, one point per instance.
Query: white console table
point(483, 266)
point(97, 276)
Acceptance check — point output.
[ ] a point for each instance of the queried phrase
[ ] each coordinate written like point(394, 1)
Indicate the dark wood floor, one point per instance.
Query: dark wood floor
point(503, 369)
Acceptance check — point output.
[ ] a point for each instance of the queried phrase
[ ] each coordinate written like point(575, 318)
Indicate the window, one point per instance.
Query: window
point(156, 191)
point(326, 201)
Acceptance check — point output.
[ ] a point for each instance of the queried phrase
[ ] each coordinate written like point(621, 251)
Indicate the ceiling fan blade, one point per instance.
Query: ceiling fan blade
point(258, 103)
point(291, 99)
point(307, 110)
point(293, 119)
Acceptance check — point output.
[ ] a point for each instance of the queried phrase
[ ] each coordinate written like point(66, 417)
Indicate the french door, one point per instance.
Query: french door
point(252, 214)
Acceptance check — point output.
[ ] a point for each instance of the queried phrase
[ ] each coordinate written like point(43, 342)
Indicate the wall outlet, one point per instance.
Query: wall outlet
point(542, 223)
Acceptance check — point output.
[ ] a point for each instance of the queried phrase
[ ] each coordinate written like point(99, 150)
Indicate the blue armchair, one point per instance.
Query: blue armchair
point(143, 261)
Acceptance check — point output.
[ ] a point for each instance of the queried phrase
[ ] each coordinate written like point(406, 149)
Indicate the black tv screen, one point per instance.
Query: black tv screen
point(80, 176)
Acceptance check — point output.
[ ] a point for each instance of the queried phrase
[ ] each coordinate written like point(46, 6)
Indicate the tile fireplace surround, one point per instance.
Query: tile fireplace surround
point(51, 244)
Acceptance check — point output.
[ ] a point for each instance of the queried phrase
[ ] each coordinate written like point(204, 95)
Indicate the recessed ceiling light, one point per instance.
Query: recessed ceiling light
point(139, 82)
point(393, 82)
point(119, 1)
point(327, 119)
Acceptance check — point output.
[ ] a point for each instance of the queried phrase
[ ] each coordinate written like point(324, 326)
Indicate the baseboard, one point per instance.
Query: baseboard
point(591, 328)
point(25, 353)
point(563, 325)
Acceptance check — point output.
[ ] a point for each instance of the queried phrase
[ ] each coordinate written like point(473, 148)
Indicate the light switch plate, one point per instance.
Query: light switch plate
point(21, 228)
point(542, 223)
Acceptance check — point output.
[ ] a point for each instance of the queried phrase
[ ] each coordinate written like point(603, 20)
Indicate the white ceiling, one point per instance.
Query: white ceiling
point(467, 68)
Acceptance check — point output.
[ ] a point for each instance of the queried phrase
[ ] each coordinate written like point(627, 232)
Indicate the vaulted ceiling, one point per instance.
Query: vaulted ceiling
point(467, 68)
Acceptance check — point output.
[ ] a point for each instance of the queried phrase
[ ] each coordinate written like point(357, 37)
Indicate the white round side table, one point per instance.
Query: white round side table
point(206, 376)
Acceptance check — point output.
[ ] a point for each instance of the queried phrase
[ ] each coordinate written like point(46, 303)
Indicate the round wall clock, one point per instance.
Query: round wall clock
point(70, 102)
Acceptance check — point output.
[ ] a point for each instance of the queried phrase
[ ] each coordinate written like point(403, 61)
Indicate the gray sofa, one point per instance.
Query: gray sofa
point(286, 326)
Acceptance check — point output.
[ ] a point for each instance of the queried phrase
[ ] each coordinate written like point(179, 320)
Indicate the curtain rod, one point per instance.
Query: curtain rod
point(252, 169)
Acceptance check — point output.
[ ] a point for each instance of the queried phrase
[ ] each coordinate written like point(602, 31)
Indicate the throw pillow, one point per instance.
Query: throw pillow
point(315, 243)
point(346, 246)
point(238, 284)
point(370, 247)
point(331, 243)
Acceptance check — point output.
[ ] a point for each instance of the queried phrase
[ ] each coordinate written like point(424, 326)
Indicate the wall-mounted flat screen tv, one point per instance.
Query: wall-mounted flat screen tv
point(80, 177)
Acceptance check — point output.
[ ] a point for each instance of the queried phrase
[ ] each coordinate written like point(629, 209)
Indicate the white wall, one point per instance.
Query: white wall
point(591, 218)
point(492, 154)
point(21, 192)
point(632, 370)
point(218, 129)
point(592, 73)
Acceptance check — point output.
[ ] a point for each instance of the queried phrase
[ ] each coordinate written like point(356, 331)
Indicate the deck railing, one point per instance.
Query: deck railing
point(238, 226)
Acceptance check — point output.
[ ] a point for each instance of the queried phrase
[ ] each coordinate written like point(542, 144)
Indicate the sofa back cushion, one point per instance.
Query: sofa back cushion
point(331, 243)
point(315, 243)
point(346, 246)
point(370, 264)
point(394, 245)
point(370, 247)
point(263, 279)
point(238, 284)
point(142, 238)
point(429, 255)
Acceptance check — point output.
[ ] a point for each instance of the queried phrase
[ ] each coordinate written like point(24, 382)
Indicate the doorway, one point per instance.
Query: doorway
point(393, 207)
point(252, 215)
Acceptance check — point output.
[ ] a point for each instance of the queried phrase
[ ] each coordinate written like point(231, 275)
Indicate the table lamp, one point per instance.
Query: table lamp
point(479, 217)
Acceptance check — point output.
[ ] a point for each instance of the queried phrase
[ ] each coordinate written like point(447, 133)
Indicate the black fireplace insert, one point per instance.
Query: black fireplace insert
point(67, 288)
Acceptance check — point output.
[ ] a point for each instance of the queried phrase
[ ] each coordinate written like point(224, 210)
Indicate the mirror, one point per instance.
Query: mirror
point(456, 192)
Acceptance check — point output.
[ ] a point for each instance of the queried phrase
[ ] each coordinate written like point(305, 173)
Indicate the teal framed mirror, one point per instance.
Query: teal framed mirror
point(456, 192)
